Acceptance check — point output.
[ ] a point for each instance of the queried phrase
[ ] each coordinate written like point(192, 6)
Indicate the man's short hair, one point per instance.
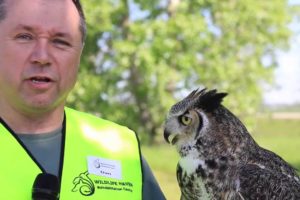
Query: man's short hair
point(82, 18)
point(77, 3)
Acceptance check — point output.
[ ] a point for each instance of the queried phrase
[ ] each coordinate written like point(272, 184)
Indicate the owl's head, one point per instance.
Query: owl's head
point(200, 119)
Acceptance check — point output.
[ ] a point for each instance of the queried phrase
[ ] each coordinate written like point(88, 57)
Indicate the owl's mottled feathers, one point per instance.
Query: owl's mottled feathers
point(218, 157)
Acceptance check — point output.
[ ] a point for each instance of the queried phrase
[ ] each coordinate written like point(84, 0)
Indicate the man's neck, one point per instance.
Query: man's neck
point(38, 122)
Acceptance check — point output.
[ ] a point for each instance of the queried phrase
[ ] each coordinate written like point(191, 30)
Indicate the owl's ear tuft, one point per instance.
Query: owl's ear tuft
point(209, 100)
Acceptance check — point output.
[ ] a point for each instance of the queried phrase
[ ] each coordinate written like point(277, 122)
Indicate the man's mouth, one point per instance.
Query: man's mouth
point(40, 80)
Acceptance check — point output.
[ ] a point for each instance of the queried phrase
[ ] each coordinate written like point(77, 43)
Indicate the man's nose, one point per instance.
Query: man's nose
point(40, 54)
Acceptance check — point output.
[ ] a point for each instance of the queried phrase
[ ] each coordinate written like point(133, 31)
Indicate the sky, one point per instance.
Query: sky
point(286, 89)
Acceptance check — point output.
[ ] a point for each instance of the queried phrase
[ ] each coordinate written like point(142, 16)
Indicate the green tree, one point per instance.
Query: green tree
point(136, 64)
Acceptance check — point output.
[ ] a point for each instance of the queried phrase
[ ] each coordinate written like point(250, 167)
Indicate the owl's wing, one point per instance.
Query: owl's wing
point(255, 182)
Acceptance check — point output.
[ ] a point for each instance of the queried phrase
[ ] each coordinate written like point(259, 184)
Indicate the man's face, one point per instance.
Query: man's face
point(40, 48)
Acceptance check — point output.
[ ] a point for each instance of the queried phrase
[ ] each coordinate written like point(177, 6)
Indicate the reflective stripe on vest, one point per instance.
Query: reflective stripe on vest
point(101, 161)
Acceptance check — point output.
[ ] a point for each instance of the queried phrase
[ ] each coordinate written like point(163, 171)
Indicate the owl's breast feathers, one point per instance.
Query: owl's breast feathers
point(263, 175)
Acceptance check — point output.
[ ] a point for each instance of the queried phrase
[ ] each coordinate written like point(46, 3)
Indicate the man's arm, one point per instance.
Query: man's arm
point(151, 189)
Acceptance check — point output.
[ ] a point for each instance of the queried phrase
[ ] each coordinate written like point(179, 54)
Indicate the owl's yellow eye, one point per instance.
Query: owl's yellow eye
point(185, 120)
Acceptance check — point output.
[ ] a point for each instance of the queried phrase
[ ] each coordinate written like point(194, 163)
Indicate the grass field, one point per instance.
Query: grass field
point(280, 136)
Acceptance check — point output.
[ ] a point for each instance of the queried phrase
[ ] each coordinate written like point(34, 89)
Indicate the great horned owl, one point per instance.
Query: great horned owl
point(218, 157)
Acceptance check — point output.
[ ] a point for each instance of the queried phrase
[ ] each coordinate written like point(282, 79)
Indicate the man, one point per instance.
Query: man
point(40, 47)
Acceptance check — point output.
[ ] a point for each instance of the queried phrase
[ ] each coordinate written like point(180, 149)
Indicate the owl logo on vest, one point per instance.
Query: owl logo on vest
point(84, 184)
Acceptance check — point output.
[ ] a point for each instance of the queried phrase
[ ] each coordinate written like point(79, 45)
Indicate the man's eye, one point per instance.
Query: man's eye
point(24, 37)
point(61, 42)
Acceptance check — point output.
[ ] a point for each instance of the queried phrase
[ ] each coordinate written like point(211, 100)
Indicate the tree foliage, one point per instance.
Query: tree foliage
point(142, 56)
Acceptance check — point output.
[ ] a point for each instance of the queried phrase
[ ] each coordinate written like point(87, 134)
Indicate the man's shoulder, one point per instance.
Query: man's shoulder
point(84, 117)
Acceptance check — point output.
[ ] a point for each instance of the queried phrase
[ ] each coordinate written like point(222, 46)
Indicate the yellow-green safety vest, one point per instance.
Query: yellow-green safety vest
point(100, 160)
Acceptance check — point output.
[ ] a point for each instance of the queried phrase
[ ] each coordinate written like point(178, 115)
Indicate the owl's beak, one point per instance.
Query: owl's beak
point(166, 136)
point(170, 138)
